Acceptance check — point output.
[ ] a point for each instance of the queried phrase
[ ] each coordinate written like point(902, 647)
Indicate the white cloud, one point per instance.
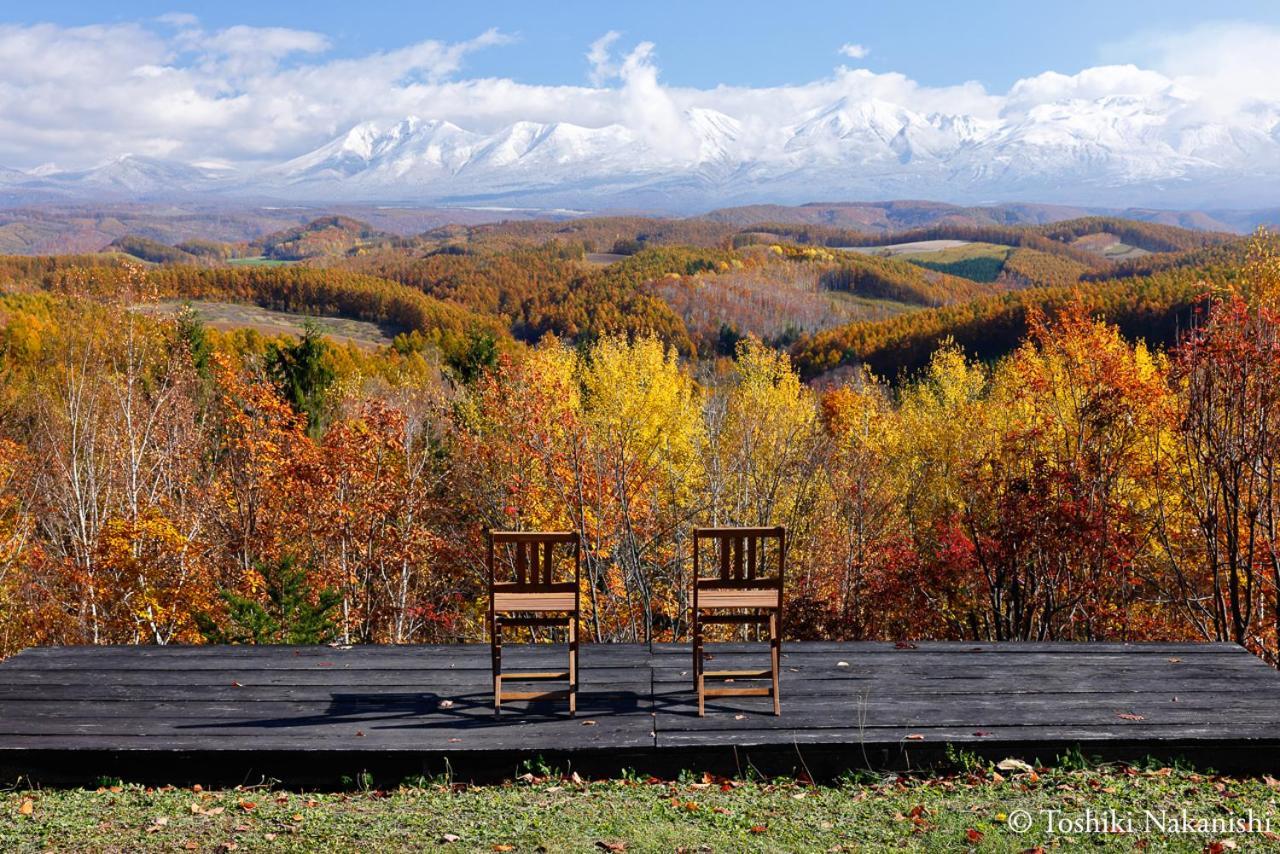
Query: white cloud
point(170, 87)
point(600, 57)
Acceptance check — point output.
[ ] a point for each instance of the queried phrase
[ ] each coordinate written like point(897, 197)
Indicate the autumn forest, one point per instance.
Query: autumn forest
point(972, 430)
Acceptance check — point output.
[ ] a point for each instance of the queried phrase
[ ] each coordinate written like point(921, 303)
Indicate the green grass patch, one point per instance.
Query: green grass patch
point(258, 261)
point(980, 808)
point(979, 262)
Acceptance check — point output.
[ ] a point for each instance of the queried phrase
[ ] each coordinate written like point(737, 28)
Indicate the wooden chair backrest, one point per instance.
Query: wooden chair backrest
point(533, 562)
point(742, 558)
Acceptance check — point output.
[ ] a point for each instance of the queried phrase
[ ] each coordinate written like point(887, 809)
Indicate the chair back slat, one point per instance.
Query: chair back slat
point(532, 559)
point(742, 556)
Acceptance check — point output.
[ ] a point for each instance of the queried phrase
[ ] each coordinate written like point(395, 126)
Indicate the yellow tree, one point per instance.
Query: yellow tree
point(643, 446)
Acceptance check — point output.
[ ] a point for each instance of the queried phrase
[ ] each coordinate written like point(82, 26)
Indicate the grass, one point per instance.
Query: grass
point(981, 262)
point(979, 808)
point(258, 261)
point(229, 315)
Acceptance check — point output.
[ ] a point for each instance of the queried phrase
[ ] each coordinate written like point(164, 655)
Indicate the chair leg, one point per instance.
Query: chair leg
point(573, 665)
point(775, 643)
point(699, 679)
point(497, 667)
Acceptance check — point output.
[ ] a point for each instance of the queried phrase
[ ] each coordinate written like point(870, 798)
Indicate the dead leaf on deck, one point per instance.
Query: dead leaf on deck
point(1129, 716)
point(446, 704)
point(915, 736)
point(588, 723)
point(905, 645)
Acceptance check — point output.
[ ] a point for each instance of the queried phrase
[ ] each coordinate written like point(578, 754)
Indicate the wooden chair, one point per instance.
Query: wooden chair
point(534, 598)
point(741, 592)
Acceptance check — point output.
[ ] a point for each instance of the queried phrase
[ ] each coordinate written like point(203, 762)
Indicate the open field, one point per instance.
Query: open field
point(1108, 246)
point(914, 247)
point(981, 262)
point(257, 261)
point(982, 807)
point(604, 259)
point(227, 316)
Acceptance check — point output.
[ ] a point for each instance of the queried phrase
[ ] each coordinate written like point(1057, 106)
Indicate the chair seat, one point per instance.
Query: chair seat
point(739, 598)
point(534, 602)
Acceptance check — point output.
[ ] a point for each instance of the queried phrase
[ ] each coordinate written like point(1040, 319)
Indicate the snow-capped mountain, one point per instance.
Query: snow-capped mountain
point(1113, 150)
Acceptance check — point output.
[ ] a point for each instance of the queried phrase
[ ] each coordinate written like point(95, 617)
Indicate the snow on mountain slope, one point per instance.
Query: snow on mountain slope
point(1117, 150)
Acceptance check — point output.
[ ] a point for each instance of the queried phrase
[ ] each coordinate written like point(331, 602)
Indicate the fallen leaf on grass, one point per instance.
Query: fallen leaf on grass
point(759, 828)
point(248, 806)
point(611, 846)
point(27, 807)
point(1013, 765)
point(1128, 716)
point(1272, 782)
point(973, 835)
point(504, 847)
point(448, 838)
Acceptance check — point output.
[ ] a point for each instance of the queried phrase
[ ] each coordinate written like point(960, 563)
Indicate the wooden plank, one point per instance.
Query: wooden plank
point(533, 601)
point(738, 598)
point(436, 701)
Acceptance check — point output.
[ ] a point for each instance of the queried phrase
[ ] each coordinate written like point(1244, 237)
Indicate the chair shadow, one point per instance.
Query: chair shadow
point(429, 710)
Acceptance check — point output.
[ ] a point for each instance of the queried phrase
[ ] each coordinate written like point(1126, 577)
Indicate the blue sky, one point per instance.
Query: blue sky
point(703, 44)
point(243, 85)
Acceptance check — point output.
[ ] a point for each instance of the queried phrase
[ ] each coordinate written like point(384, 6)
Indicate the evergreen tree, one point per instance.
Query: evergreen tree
point(287, 616)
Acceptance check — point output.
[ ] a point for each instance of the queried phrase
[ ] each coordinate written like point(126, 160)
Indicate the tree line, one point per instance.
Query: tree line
point(159, 486)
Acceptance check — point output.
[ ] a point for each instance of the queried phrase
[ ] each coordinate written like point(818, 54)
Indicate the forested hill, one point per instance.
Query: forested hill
point(830, 294)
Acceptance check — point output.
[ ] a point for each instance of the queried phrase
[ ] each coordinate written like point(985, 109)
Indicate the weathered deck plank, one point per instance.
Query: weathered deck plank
point(311, 714)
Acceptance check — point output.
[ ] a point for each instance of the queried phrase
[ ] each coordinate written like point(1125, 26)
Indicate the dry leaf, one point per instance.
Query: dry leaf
point(247, 806)
point(611, 846)
point(905, 645)
point(449, 837)
point(973, 835)
point(915, 736)
point(446, 704)
point(981, 733)
point(504, 847)
point(1127, 716)
point(759, 828)
point(588, 723)
point(842, 664)
point(1013, 765)
point(27, 807)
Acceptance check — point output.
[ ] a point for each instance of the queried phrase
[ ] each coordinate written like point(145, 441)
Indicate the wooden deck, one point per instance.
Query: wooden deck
point(310, 715)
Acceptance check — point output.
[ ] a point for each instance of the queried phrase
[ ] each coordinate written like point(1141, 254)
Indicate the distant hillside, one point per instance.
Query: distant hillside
point(329, 235)
point(886, 217)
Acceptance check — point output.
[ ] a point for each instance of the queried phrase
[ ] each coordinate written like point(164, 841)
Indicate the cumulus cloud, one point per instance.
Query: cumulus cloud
point(171, 87)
